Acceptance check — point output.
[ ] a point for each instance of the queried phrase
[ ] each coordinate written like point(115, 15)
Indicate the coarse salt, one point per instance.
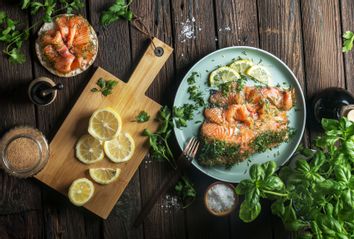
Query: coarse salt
point(220, 198)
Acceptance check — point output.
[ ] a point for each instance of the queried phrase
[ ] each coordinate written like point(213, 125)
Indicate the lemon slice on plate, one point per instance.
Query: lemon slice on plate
point(81, 191)
point(259, 73)
point(120, 149)
point(89, 150)
point(104, 175)
point(222, 75)
point(105, 124)
point(241, 65)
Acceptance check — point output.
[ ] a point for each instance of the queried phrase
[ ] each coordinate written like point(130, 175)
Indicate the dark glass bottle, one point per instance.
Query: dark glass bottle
point(331, 103)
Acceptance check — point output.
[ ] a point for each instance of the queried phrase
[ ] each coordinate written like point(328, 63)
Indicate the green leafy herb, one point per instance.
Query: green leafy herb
point(348, 38)
point(183, 114)
point(14, 38)
point(119, 10)
point(74, 5)
point(160, 150)
point(104, 86)
point(142, 117)
point(185, 191)
point(48, 6)
point(316, 197)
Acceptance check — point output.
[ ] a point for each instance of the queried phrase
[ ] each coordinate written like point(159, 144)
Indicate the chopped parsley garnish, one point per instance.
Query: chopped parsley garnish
point(196, 95)
point(142, 117)
point(183, 114)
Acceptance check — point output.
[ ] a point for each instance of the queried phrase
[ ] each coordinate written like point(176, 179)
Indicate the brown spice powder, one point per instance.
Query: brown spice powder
point(22, 153)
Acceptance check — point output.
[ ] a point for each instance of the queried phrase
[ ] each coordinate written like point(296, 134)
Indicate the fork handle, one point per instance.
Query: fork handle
point(168, 183)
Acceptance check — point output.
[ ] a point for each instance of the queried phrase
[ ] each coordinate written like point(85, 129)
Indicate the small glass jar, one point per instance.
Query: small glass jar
point(24, 151)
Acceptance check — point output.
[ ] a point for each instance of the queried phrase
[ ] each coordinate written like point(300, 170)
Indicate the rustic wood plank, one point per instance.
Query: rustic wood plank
point(194, 37)
point(115, 56)
point(23, 225)
point(161, 222)
point(322, 45)
point(280, 33)
point(19, 197)
point(59, 215)
point(347, 10)
point(237, 24)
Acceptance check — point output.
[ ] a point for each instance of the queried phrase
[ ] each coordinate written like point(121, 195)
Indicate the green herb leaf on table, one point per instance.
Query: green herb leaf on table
point(104, 86)
point(348, 38)
point(10, 35)
point(142, 117)
point(160, 150)
point(119, 10)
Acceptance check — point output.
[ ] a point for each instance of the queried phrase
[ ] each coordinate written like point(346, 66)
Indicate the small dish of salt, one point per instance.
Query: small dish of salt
point(220, 198)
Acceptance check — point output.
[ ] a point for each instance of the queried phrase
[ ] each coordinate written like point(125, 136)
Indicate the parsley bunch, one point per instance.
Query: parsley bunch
point(315, 198)
point(160, 150)
point(10, 35)
point(119, 10)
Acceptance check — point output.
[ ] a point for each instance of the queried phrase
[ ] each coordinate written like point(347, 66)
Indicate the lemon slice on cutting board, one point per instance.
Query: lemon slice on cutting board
point(120, 149)
point(89, 149)
point(105, 124)
point(81, 191)
point(104, 175)
point(259, 73)
point(241, 65)
point(222, 75)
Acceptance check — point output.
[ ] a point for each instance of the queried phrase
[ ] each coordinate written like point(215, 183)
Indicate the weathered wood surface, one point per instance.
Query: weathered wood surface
point(306, 35)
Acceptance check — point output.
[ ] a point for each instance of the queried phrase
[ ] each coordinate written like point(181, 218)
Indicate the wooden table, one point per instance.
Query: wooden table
point(304, 34)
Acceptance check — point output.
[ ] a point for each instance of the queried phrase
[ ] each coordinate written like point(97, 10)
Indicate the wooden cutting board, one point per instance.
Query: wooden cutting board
point(128, 99)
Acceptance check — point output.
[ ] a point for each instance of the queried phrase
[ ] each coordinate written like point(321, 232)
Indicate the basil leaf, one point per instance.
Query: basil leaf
point(244, 186)
point(278, 208)
point(273, 183)
point(252, 195)
point(256, 172)
point(269, 168)
point(248, 212)
point(342, 173)
point(101, 83)
point(329, 124)
point(295, 225)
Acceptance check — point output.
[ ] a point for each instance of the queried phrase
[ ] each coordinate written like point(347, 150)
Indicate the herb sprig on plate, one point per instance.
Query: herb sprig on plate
point(316, 197)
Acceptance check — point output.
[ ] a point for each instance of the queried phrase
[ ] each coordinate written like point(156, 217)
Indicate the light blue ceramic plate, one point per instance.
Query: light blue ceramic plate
point(281, 75)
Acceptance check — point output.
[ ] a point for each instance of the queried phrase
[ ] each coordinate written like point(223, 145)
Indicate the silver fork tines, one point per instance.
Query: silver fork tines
point(191, 148)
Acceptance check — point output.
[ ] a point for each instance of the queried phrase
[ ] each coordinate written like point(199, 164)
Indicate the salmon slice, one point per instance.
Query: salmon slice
point(63, 64)
point(50, 53)
point(63, 26)
point(215, 115)
point(83, 31)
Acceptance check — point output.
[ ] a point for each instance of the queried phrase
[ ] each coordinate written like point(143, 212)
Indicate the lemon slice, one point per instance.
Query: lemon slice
point(105, 124)
point(259, 73)
point(104, 175)
point(120, 149)
point(241, 65)
point(89, 150)
point(81, 191)
point(222, 75)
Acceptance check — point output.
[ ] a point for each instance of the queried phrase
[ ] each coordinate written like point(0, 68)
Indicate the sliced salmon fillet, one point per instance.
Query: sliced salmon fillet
point(241, 118)
point(63, 26)
point(69, 45)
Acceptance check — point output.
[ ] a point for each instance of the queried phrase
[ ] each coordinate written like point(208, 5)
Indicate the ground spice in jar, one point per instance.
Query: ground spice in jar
point(22, 153)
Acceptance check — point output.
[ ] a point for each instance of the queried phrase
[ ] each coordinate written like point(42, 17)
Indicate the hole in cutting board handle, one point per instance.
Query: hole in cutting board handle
point(158, 51)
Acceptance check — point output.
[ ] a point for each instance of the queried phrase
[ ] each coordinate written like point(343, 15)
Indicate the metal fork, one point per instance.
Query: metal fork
point(189, 153)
